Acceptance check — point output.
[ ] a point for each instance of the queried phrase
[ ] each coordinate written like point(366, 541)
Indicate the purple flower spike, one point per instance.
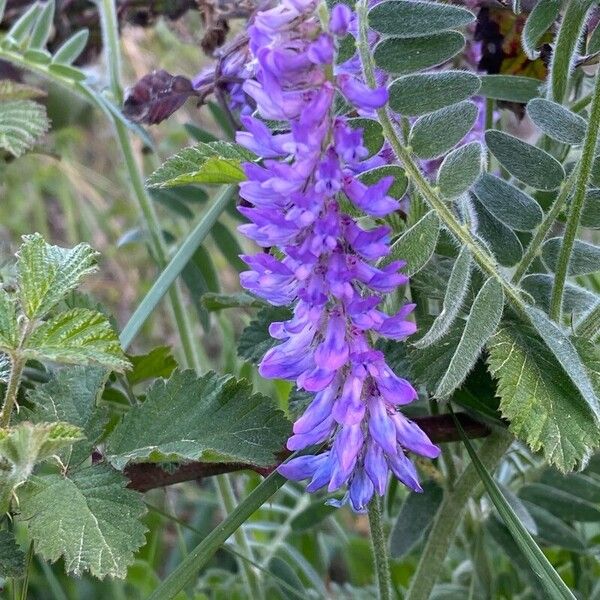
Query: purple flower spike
point(321, 261)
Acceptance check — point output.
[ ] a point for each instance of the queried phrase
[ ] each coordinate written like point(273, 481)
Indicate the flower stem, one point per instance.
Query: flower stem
point(380, 555)
point(449, 516)
point(10, 398)
point(583, 176)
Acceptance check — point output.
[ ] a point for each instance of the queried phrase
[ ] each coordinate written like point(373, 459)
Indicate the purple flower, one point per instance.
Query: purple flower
point(326, 263)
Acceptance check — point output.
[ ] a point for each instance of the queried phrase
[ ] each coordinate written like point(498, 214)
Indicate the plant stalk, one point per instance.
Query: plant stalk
point(380, 554)
point(449, 516)
point(583, 176)
point(12, 388)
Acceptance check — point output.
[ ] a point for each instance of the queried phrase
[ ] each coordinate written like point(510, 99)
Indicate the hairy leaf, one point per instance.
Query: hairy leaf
point(585, 258)
point(458, 285)
point(399, 55)
point(211, 418)
point(482, 322)
point(583, 486)
point(460, 169)
point(542, 405)
point(371, 131)
point(434, 134)
point(416, 18)
point(12, 558)
point(215, 302)
point(507, 203)
point(560, 503)
point(417, 244)
point(527, 163)
point(590, 216)
point(159, 362)
point(22, 124)
point(541, 18)
point(255, 340)
point(556, 121)
point(71, 48)
point(576, 299)
point(398, 188)
point(48, 273)
point(510, 88)
point(217, 162)
point(422, 93)
point(88, 518)
point(78, 336)
point(8, 322)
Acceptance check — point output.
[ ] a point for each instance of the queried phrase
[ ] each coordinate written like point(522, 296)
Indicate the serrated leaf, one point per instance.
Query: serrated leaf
point(416, 18)
point(159, 362)
point(71, 396)
point(510, 88)
point(483, 320)
point(398, 188)
point(556, 121)
point(560, 503)
point(541, 18)
point(458, 285)
point(418, 94)
point(507, 203)
point(218, 162)
point(88, 518)
point(398, 55)
point(417, 244)
point(12, 558)
point(434, 134)
point(542, 405)
point(22, 123)
point(527, 163)
point(585, 258)
point(211, 418)
point(414, 518)
point(460, 169)
point(9, 328)
point(78, 336)
point(501, 240)
point(576, 299)
point(48, 273)
point(71, 48)
point(255, 340)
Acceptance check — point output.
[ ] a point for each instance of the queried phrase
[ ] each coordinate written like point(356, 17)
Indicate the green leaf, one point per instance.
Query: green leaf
point(9, 329)
point(22, 124)
point(216, 302)
point(43, 26)
point(590, 216)
point(482, 322)
point(400, 184)
point(255, 340)
point(12, 90)
point(578, 484)
point(159, 362)
point(507, 203)
point(78, 336)
point(48, 273)
point(88, 518)
point(71, 396)
point(585, 258)
point(458, 285)
point(22, 26)
point(415, 517)
point(502, 241)
point(418, 94)
point(527, 163)
point(211, 418)
point(434, 134)
point(510, 88)
point(213, 163)
point(562, 504)
point(71, 48)
point(417, 244)
point(460, 169)
point(539, 564)
point(556, 121)
point(398, 55)
point(576, 299)
point(541, 18)
point(372, 133)
point(417, 18)
point(12, 559)
point(542, 405)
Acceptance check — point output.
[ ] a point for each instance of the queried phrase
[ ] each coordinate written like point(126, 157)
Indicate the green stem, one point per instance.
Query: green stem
point(590, 325)
point(544, 228)
point(110, 32)
point(380, 555)
point(449, 516)
point(430, 195)
point(25, 585)
point(228, 503)
point(581, 183)
point(12, 388)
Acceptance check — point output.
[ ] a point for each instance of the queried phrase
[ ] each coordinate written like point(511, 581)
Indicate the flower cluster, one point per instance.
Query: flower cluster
point(325, 264)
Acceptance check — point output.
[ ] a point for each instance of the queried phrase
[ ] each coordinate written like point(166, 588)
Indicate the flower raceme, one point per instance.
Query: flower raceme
point(325, 263)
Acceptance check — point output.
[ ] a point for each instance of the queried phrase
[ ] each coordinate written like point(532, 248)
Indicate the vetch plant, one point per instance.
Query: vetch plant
point(402, 259)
